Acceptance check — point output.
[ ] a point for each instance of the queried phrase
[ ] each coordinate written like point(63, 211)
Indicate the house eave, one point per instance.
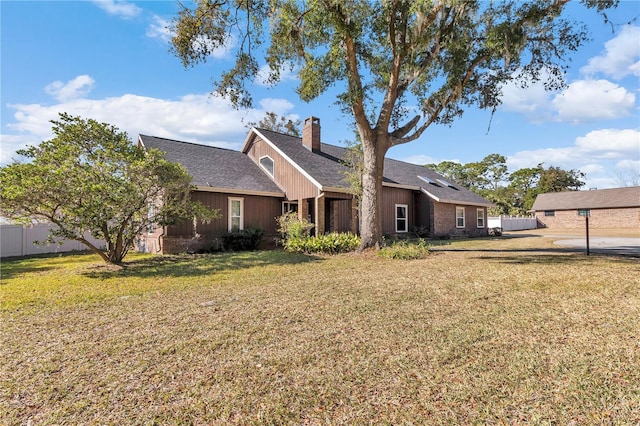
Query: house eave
point(206, 188)
point(335, 189)
point(458, 202)
point(400, 186)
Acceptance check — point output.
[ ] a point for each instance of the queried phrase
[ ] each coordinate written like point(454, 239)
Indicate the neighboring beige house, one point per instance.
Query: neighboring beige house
point(276, 173)
point(607, 208)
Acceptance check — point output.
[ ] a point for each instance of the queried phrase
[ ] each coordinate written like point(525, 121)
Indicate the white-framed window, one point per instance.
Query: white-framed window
point(549, 213)
point(480, 217)
point(267, 163)
point(289, 206)
point(236, 213)
point(459, 217)
point(402, 219)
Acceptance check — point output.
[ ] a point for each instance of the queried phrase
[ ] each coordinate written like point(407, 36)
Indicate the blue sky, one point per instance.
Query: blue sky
point(110, 60)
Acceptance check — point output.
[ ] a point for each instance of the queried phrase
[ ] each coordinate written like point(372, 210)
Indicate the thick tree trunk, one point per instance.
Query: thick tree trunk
point(371, 204)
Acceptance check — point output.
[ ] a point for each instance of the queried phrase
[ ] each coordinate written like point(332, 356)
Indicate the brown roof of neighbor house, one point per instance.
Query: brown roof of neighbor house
point(594, 199)
point(215, 168)
point(327, 168)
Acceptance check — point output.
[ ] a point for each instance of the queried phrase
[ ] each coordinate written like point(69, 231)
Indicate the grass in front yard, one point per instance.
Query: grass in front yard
point(489, 332)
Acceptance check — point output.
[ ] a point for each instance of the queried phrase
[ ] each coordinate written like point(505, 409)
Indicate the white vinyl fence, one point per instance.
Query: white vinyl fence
point(18, 240)
point(512, 223)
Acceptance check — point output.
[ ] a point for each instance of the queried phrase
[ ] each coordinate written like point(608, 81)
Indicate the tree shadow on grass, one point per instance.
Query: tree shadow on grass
point(190, 265)
point(16, 265)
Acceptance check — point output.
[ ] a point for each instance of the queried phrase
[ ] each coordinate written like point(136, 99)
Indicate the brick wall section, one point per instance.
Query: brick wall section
point(600, 218)
point(311, 134)
point(174, 245)
point(444, 221)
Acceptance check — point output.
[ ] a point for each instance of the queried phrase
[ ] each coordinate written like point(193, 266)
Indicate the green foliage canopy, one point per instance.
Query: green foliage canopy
point(90, 179)
point(281, 124)
point(512, 193)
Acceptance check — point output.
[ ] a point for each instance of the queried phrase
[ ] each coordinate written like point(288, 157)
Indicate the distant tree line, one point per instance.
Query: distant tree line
point(512, 193)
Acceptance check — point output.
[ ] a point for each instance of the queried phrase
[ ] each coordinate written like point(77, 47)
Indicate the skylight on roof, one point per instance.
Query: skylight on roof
point(427, 179)
point(446, 183)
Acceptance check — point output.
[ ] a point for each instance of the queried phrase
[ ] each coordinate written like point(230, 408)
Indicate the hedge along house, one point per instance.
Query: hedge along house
point(608, 208)
point(276, 173)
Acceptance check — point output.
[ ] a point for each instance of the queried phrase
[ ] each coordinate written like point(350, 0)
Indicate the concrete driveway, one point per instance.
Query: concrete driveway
point(606, 245)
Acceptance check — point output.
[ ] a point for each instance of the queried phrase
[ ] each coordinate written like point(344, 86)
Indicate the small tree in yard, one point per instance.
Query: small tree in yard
point(399, 65)
point(90, 178)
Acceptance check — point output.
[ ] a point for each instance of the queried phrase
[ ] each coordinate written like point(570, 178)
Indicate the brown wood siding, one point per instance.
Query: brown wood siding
point(295, 184)
point(337, 215)
point(391, 197)
point(259, 211)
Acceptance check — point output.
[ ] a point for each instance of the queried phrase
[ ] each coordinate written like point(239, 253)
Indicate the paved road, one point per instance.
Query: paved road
point(607, 245)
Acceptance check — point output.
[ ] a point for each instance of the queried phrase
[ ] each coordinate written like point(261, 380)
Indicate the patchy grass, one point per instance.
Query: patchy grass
point(509, 331)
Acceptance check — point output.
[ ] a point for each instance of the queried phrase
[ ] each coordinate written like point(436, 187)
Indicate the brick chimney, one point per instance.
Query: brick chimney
point(311, 134)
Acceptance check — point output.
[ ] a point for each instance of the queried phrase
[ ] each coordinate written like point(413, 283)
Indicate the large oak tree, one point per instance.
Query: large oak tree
point(91, 179)
point(401, 66)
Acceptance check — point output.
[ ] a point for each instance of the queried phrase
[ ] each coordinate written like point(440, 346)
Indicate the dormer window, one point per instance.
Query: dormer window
point(267, 164)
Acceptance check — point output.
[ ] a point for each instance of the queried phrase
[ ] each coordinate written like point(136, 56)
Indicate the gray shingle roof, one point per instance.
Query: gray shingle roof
point(596, 199)
point(233, 170)
point(327, 168)
point(214, 167)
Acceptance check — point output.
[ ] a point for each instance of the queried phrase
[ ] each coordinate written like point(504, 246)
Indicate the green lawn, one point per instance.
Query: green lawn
point(506, 331)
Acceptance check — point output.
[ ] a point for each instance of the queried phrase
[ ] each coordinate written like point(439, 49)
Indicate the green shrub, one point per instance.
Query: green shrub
point(331, 243)
point(295, 232)
point(405, 250)
point(245, 239)
point(290, 226)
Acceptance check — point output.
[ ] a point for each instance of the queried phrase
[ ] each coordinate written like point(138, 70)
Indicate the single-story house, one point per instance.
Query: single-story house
point(275, 173)
point(607, 208)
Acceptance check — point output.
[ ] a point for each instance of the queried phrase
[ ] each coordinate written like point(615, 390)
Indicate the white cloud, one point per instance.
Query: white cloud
point(628, 173)
point(72, 89)
point(620, 57)
point(598, 154)
point(279, 106)
point(159, 28)
point(120, 8)
point(593, 169)
point(610, 143)
point(582, 101)
point(419, 159)
point(287, 73)
point(595, 145)
point(534, 100)
point(588, 100)
point(628, 164)
point(11, 143)
point(198, 118)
